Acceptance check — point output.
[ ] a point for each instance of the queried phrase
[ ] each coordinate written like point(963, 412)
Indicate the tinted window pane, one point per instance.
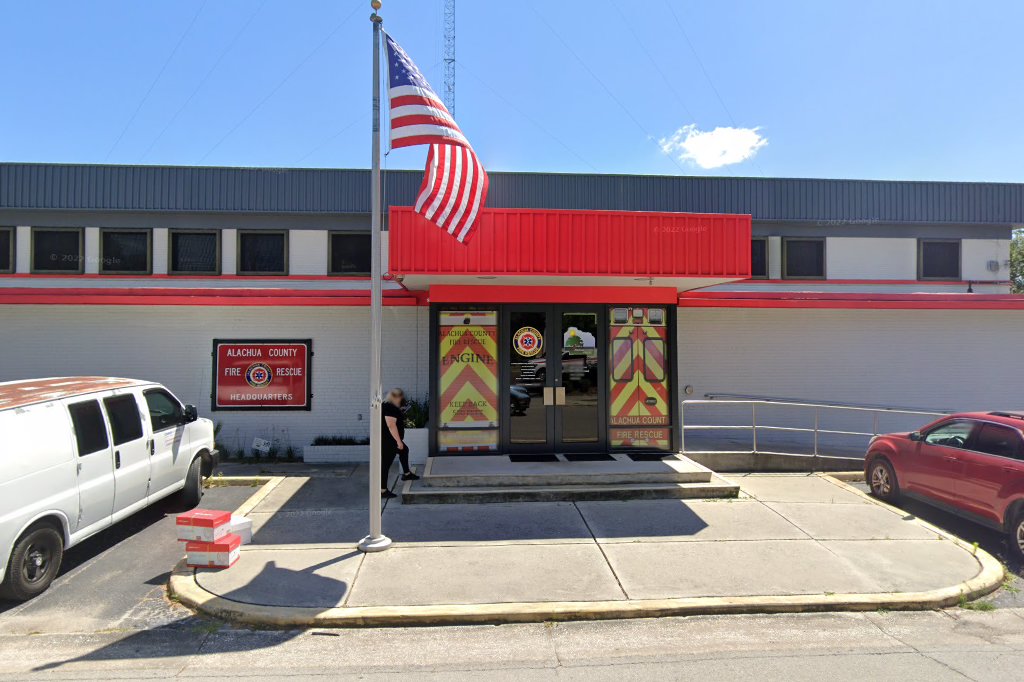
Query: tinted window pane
point(164, 411)
point(6, 255)
point(997, 440)
point(350, 253)
point(940, 260)
point(759, 258)
point(194, 252)
point(56, 250)
point(125, 422)
point(805, 258)
point(261, 252)
point(125, 251)
point(90, 432)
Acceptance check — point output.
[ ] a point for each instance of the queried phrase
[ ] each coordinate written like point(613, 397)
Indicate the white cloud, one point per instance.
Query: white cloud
point(713, 148)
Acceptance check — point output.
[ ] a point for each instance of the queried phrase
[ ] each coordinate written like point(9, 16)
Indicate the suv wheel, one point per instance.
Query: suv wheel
point(34, 563)
point(1016, 538)
point(882, 481)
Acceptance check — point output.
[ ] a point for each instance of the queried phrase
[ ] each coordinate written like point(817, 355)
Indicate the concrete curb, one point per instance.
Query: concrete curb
point(183, 587)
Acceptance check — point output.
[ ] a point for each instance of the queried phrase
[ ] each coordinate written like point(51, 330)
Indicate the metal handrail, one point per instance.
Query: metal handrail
point(816, 429)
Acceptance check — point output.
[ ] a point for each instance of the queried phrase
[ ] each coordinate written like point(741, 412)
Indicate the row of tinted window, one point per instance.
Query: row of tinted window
point(190, 252)
point(125, 420)
point(992, 439)
point(804, 258)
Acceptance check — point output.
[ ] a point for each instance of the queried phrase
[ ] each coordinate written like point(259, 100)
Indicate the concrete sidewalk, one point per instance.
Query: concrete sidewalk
point(790, 543)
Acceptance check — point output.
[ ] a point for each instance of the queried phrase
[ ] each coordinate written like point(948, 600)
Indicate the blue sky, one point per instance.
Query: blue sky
point(894, 90)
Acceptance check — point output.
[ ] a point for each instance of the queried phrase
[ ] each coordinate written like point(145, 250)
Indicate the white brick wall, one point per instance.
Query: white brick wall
point(161, 244)
point(172, 345)
point(307, 252)
point(954, 359)
point(866, 258)
point(976, 253)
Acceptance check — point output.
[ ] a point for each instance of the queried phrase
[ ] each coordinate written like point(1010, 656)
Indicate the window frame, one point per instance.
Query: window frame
point(127, 398)
point(103, 420)
point(32, 250)
point(11, 244)
point(980, 424)
point(218, 236)
point(785, 257)
point(920, 259)
point(251, 273)
point(149, 415)
point(330, 253)
point(128, 230)
point(972, 423)
point(767, 265)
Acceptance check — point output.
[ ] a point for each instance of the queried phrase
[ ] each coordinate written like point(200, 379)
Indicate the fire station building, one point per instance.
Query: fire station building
point(584, 309)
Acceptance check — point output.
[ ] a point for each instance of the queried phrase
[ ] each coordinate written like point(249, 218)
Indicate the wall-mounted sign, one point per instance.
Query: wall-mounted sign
point(468, 381)
point(262, 375)
point(528, 342)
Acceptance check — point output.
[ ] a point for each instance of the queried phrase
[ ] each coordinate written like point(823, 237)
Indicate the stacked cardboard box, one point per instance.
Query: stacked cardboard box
point(209, 542)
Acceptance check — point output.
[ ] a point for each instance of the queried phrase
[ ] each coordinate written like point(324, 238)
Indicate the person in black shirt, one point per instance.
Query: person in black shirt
point(392, 441)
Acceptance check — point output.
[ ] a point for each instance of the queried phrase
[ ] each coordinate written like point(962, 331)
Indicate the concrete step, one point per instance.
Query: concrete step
point(499, 471)
point(417, 492)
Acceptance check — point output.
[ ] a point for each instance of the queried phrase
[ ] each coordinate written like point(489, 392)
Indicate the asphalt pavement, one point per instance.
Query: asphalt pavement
point(116, 579)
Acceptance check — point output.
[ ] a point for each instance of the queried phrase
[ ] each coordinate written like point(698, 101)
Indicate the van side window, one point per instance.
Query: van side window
point(125, 422)
point(90, 430)
point(164, 411)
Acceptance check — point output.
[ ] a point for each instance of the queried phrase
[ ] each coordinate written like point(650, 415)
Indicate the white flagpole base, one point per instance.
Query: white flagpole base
point(372, 544)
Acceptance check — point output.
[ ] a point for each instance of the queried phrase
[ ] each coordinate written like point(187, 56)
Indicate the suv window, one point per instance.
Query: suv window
point(164, 411)
point(90, 431)
point(998, 440)
point(950, 434)
point(125, 422)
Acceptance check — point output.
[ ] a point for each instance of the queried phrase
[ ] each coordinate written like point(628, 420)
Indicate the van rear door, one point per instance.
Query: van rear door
point(95, 467)
point(131, 454)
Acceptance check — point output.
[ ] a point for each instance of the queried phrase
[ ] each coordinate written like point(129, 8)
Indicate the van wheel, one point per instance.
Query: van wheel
point(1016, 538)
point(882, 481)
point(190, 496)
point(34, 563)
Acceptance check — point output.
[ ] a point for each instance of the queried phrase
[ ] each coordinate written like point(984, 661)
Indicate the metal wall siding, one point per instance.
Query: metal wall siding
point(268, 190)
point(538, 242)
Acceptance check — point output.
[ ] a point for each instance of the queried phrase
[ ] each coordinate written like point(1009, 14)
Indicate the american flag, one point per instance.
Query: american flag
point(454, 185)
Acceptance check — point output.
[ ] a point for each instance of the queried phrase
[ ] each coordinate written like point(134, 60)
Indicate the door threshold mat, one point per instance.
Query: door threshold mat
point(648, 456)
point(532, 458)
point(588, 457)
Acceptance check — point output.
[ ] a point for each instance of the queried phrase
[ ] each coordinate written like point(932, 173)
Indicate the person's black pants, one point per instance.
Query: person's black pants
point(387, 458)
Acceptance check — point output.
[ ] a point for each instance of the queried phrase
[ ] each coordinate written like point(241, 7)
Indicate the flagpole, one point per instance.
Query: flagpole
point(376, 541)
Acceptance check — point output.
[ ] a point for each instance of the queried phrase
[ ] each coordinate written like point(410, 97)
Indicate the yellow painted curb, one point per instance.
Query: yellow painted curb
point(184, 588)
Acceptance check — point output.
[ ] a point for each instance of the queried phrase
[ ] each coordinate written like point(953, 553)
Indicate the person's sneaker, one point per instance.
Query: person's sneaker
point(387, 495)
point(410, 477)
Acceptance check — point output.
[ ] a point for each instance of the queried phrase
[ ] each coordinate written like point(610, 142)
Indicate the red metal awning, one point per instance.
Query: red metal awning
point(522, 247)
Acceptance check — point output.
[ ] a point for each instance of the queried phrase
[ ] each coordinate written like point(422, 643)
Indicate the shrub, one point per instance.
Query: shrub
point(340, 440)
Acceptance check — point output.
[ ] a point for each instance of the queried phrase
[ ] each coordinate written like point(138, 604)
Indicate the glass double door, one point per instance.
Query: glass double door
point(555, 370)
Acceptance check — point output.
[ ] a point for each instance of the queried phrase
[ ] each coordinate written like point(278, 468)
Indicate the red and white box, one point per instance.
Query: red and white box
point(203, 525)
point(222, 553)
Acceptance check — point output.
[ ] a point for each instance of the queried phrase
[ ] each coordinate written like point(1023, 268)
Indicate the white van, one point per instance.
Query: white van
point(78, 454)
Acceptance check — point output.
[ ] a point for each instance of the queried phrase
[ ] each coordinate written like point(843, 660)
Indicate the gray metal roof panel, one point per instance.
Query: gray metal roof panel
point(275, 190)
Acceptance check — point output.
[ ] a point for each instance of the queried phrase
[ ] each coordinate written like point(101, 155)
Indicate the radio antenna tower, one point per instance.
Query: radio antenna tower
point(449, 55)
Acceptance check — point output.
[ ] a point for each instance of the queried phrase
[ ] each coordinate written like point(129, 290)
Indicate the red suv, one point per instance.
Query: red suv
point(971, 464)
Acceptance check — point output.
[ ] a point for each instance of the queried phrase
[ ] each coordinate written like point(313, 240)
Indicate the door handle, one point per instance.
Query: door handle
point(152, 447)
point(549, 395)
point(560, 395)
point(117, 459)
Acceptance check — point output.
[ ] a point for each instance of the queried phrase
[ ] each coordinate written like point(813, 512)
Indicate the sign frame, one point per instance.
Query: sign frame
point(307, 407)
